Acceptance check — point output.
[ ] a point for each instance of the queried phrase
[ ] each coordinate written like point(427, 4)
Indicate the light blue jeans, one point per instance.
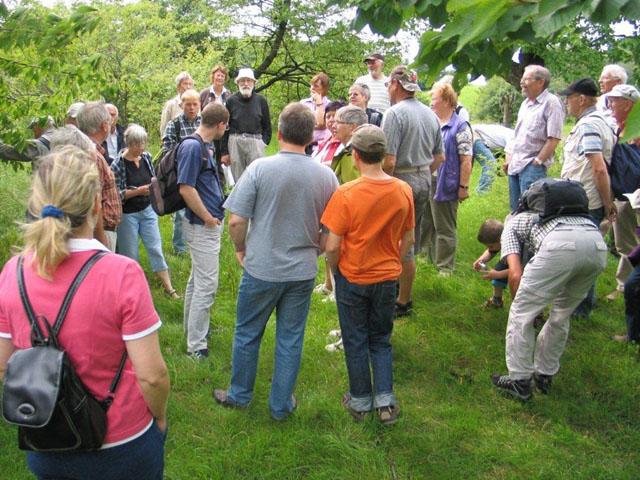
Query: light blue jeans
point(256, 301)
point(204, 246)
point(519, 182)
point(487, 161)
point(145, 224)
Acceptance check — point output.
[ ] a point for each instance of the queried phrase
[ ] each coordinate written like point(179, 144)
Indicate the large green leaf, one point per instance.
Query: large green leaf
point(549, 24)
point(632, 128)
point(485, 17)
point(632, 10)
point(607, 11)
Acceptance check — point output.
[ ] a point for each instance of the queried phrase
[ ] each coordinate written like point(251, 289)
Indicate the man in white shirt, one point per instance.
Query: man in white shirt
point(376, 81)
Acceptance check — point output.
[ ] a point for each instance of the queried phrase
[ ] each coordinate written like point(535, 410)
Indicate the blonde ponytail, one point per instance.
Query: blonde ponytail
point(62, 198)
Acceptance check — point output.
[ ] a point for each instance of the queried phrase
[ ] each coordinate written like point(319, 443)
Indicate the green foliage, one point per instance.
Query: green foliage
point(39, 75)
point(481, 36)
point(496, 98)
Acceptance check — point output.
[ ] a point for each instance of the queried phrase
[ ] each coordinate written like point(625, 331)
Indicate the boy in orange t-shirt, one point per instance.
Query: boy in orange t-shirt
point(371, 227)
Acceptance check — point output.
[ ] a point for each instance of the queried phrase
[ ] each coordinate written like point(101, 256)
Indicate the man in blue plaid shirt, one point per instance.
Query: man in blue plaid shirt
point(568, 254)
point(182, 126)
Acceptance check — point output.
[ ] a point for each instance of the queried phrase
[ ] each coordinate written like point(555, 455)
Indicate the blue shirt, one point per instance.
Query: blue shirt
point(189, 157)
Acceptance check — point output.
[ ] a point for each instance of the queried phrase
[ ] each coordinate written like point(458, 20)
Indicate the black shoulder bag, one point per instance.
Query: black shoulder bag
point(43, 395)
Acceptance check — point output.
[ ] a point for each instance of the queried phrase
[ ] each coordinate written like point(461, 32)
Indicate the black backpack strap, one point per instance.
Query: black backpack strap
point(93, 259)
point(35, 327)
point(74, 287)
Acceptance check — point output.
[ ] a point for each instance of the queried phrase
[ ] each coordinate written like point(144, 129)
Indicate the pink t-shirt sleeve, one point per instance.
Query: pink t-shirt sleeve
point(139, 317)
point(9, 269)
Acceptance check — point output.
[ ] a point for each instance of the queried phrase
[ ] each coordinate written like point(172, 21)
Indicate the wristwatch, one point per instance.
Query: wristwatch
point(464, 187)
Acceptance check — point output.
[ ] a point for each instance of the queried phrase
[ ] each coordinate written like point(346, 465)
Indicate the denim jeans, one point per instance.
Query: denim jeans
point(519, 182)
point(145, 224)
point(179, 243)
point(139, 459)
point(632, 304)
point(256, 301)
point(585, 307)
point(487, 161)
point(366, 321)
point(204, 245)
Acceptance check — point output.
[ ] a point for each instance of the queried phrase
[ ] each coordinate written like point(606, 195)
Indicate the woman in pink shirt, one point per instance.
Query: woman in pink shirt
point(111, 312)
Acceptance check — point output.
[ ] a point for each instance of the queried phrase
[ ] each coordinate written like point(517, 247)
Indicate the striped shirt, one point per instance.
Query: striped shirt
point(379, 94)
point(525, 229)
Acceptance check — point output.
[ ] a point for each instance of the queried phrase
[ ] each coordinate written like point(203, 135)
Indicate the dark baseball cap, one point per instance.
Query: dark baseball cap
point(584, 86)
point(374, 56)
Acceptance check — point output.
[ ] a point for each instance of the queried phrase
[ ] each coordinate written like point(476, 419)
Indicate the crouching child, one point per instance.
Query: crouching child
point(489, 235)
point(371, 227)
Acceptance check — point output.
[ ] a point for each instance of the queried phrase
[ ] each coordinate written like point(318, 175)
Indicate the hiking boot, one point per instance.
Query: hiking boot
point(199, 355)
point(494, 302)
point(520, 389)
point(403, 309)
point(542, 382)
point(388, 415)
point(358, 417)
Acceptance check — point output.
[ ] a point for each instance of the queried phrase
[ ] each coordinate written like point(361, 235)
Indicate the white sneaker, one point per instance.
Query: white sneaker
point(334, 347)
point(335, 333)
point(321, 289)
point(331, 298)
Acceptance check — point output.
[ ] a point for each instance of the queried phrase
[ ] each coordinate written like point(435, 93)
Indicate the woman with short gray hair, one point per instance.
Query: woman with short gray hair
point(133, 171)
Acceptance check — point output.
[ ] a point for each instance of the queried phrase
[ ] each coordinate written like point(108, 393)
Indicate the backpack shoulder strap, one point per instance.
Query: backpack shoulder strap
point(74, 287)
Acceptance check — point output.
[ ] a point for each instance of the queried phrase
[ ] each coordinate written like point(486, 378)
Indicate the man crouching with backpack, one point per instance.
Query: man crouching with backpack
point(569, 254)
point(202, 224)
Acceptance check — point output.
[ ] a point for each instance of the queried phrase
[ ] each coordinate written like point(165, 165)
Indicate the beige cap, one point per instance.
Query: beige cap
point(369, 138)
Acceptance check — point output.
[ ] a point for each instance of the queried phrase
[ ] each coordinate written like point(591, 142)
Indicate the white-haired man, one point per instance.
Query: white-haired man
point(621, 100)
point(173, 107)
point(538, 132)
point(611, 76)
point(249, 125)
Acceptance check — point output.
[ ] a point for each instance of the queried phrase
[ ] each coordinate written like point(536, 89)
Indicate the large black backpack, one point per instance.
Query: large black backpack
point(43, 395)
point(554, 197)
point(164, 191)
point(624, 170)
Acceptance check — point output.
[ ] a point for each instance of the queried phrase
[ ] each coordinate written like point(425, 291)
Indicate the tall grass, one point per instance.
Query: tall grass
point(453, 424)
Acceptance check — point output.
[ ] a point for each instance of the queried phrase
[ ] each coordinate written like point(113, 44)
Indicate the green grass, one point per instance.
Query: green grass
point(453, 424)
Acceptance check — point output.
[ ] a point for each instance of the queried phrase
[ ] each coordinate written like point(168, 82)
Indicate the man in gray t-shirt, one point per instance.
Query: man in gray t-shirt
point(283, 197)
point(414, 150)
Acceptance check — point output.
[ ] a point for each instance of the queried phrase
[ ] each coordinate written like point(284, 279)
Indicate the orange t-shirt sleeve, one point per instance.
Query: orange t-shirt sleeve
point(336, 215)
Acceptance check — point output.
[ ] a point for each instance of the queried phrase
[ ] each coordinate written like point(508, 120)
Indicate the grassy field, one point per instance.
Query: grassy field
point(453, 424)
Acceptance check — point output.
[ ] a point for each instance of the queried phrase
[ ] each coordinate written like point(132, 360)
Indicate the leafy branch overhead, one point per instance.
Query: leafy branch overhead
point(481, 36)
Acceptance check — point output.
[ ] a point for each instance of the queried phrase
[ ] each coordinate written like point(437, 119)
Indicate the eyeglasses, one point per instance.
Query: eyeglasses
point(340, 122)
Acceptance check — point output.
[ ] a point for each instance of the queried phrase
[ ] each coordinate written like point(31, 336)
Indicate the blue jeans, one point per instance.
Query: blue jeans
point(366, 321)
point(145, 224)
point(585, 307)
point(178, 240)
point(519, 182)
point(139, 459)
point(632, 304)
point(256, 301)
point(487, 161)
